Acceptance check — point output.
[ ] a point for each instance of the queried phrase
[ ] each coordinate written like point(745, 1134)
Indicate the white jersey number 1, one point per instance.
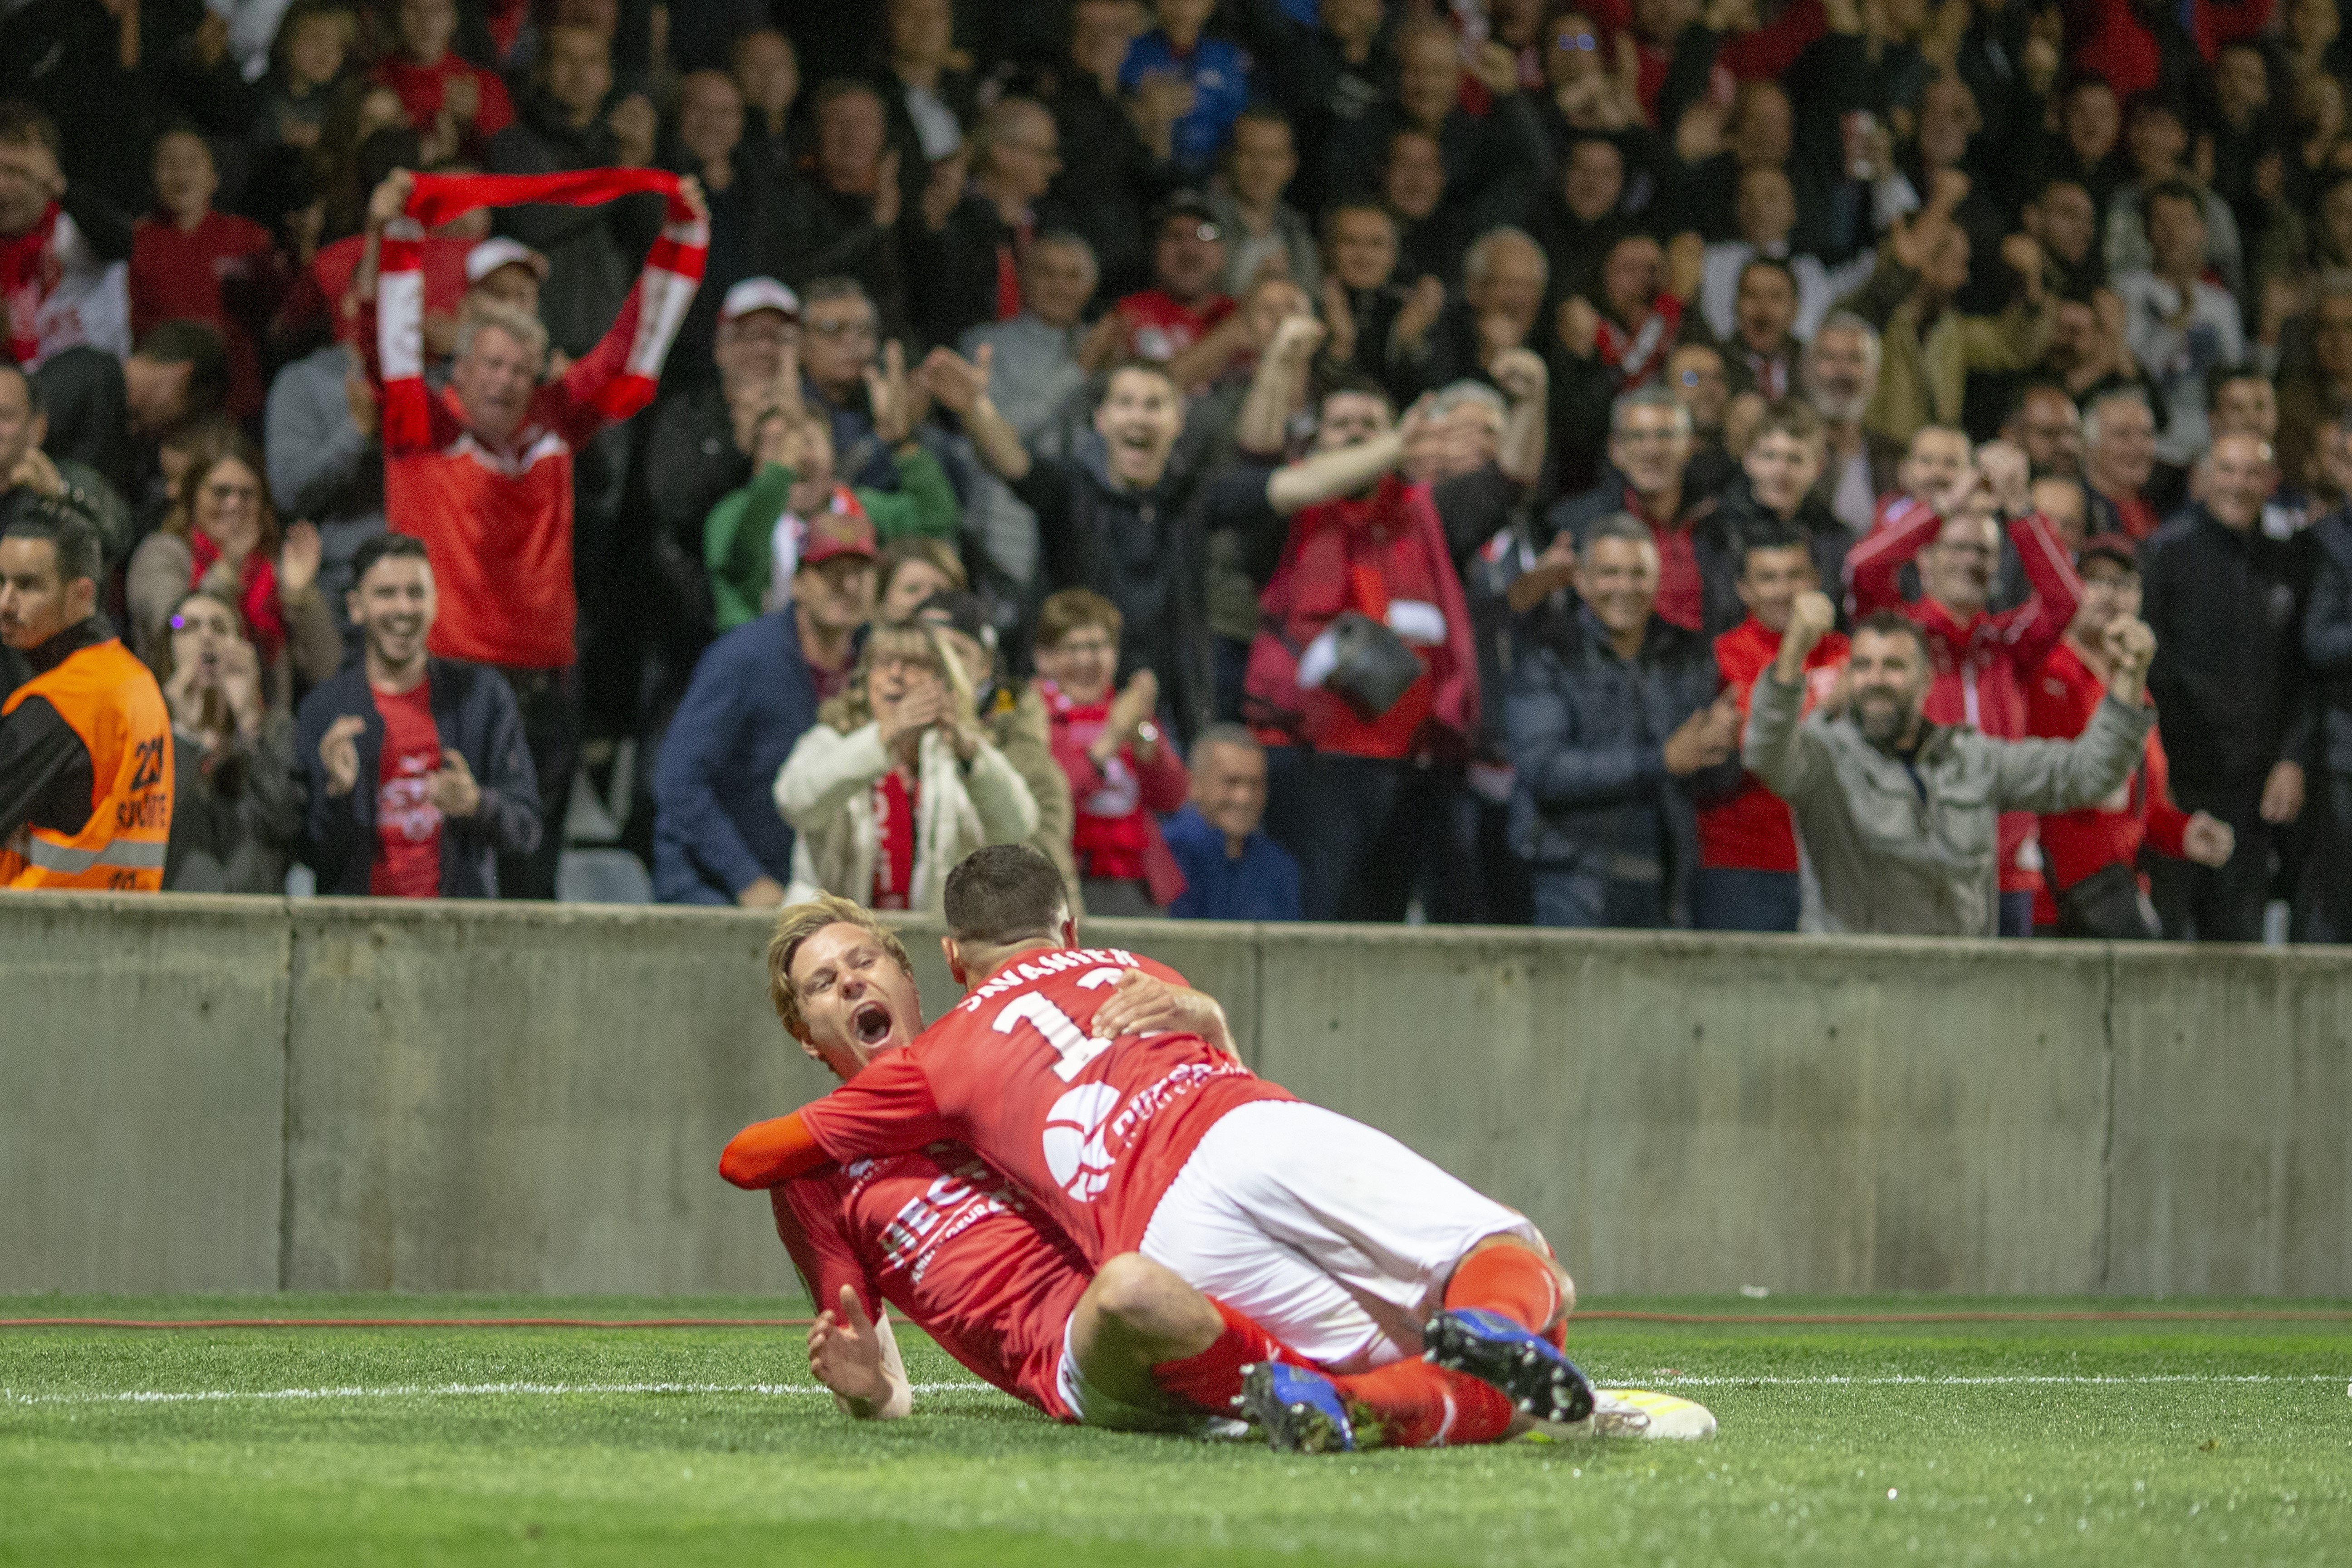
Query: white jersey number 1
point(1061, 1031)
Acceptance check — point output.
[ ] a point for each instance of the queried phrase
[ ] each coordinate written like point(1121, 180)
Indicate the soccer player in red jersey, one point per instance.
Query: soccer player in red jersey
point(1350, 1249)
point(956, 1248)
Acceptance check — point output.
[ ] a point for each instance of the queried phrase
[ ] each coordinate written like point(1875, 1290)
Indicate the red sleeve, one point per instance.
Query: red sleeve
point(1771, 51)
point(2168, 824)
point(808, 1222)
point(1874, 568)
point(619, 376)
point(767, 1153)
point(2033, 628)
point(889, 1108)
point(572, 398)
point(1165, 785)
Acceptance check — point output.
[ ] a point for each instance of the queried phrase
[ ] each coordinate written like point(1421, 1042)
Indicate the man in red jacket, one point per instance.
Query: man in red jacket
point(482, 471)
point(1346, 793)
point(2088, 854)
point(1747, 847)
point(1982, 661)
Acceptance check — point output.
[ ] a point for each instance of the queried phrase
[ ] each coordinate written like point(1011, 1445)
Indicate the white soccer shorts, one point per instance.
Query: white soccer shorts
point(1335, 1238)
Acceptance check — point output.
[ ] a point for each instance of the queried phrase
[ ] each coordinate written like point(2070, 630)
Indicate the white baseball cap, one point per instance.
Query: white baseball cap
point(492, 253)
point(759, 294)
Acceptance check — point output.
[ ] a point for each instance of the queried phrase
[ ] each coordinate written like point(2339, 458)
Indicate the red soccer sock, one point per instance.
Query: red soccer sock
point(1213, 1378)
point(1423, 1407)
point(1515, 1281)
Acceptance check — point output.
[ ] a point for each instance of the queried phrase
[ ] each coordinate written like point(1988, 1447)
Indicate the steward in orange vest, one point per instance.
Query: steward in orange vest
point(85, 743)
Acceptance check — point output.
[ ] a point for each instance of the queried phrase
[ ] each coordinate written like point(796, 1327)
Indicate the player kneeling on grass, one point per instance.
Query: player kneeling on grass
point(1136, 1133)
point(956, 1248)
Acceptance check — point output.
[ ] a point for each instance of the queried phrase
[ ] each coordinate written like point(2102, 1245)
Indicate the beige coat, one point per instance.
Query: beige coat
point(1912, 850)
point(825, 791)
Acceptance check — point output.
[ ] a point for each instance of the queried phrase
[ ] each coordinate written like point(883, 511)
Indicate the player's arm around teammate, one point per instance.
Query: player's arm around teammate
point(1144, 1003)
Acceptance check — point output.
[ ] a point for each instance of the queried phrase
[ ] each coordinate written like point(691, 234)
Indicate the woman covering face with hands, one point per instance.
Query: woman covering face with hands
point(235, 814)
point(897, 781)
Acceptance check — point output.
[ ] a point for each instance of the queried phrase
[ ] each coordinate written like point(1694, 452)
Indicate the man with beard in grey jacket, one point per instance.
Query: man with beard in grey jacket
point(1898, 816)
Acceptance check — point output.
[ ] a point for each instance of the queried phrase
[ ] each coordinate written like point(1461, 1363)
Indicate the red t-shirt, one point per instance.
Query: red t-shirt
point(224, 272)
point(894, 841)
point(1159, 329)
point(407, 825)
point(1093, 1130)
point(955, 1248)
point(1751, 831)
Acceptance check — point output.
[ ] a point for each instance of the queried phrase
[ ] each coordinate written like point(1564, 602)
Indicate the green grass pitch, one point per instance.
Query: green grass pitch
point(2139, 1443)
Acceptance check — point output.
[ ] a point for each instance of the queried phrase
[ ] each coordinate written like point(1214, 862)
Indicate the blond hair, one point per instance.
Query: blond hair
point(795, 925)
point(899, 639)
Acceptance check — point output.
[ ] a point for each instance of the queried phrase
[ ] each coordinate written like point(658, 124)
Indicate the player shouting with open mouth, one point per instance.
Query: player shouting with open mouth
point(951, 1245)
point(1350, 1249)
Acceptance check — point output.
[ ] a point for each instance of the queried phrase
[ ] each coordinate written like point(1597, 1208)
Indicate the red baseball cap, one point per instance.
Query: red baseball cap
point(839, 530)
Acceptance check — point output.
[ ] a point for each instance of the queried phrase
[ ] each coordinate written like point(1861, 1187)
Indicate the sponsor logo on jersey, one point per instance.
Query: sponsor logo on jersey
point(1074, 1151)
point(1088, 1130)
point(954, 1203)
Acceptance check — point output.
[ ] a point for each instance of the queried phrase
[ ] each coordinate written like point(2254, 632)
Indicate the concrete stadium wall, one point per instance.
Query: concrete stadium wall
point(223, 1094)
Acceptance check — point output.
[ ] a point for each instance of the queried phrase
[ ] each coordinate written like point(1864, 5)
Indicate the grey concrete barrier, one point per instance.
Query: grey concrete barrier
point(252, 1094)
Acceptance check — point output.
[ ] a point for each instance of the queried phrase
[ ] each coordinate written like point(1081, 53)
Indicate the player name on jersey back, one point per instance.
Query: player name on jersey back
point(1094, 1130)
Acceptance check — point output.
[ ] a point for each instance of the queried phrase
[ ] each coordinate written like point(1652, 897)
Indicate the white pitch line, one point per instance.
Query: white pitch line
point(1897, 1379)
point(440, 1391)
point(776, 1390)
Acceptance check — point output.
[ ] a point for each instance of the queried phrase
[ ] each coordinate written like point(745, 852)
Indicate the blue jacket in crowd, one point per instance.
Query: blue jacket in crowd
point(1262, 885)
point(1218, 70)
point(716, 827)
point(1588, 733)
point(473, 709)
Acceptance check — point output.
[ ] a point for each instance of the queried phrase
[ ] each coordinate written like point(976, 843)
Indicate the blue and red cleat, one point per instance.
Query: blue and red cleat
point(1523, 1364)
point(1300, 1409)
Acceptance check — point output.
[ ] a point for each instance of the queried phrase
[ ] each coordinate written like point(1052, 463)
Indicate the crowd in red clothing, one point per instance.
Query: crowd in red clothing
point(1934, 306)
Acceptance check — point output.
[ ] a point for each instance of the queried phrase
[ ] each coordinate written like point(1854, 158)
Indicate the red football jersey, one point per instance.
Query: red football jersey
point(948, 1242)
point(1094, 1130)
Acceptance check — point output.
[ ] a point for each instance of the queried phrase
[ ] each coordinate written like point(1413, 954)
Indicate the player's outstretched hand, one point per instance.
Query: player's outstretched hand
point(845, 1352)
point(1141, 1003)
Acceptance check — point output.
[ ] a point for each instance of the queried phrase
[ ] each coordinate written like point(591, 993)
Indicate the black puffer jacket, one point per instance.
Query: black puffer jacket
point(1143, 551)
point(1588, 733)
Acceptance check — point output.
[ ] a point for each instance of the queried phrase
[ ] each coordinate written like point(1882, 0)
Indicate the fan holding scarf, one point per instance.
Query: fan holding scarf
point(482, 470)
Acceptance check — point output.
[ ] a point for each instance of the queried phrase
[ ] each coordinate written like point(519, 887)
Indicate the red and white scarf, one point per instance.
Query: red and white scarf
point(29, 271)
point(665, 287)
point(1637, 356)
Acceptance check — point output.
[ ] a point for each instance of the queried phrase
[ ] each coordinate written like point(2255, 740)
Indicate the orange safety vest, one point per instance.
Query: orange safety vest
point(109, 699)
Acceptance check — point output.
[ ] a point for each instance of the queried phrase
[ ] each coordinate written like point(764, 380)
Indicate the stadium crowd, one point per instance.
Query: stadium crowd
point(1483, 461)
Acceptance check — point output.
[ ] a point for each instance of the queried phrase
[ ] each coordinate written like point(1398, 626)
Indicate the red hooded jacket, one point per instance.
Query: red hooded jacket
point(1982, 667)
point(1362, 553)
